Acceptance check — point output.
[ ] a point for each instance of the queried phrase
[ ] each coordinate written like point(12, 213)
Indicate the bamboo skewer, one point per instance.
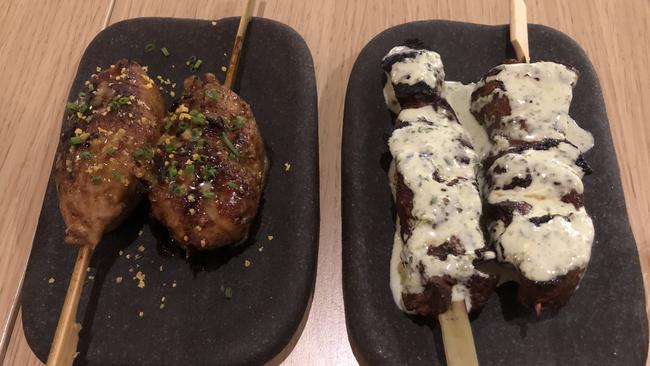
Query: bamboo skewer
point(66, 337)
point(519, 40)
point(239, 42)
point(519, 30)
point(457, 336)
point(454, 323)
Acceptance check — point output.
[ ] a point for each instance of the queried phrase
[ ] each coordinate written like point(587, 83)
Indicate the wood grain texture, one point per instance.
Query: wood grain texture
point(46, 49)
point(38, 56)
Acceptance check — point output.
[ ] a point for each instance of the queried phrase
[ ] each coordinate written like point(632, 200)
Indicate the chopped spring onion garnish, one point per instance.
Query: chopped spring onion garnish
point(71, 107)
point(200, 143)
point(196, 65)
point(149, 47)
point(207, 193)
point(170, 148)
point(96, 179)
point(232, 185)
point(164, 51)
point(209, 172)
point(228, 293)
point(238, 122)
point(168, 123)
point(139, 154)
point(76, 140)
point(212, 93)
point(172, 172)
point(176, 189)
point(198, 119)
point(229, 144)
point(85, 155)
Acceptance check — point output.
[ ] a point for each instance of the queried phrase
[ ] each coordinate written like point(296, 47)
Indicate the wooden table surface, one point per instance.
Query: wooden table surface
point(41, 43)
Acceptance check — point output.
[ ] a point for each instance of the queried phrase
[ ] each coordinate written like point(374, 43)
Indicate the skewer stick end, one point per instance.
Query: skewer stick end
point(239, 42)
point(519, 30)
point(457, 336)
point(538, 309)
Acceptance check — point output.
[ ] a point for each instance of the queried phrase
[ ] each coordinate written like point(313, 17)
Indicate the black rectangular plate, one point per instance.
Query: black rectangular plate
point(605, 321)
point(198, 324)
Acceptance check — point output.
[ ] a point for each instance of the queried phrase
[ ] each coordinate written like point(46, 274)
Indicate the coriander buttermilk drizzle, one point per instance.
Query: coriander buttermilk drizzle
point(549, 233)
point(433, 154)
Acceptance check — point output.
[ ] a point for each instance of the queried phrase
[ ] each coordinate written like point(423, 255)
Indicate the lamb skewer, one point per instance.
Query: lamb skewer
point(534, 191)
point(537, 219)
point(438, 239)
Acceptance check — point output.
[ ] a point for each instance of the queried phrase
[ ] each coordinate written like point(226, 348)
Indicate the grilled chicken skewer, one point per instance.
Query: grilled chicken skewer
point(105, 148)
point(534, 191)
point(211, 167)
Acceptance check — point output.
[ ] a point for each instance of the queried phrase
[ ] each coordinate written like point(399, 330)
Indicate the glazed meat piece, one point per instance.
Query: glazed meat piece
point(438, 239)
point(105, 149)
point(534, 192)
point(211, 167)
point(414, 76)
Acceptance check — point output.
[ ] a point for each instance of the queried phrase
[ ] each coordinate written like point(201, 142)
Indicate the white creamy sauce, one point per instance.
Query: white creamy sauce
point(460, 292)
point(549, 250)
point(431, 143)
point(432, 155)
point(579, 137)
point(429, 154)
point(459, 97)
point(397, 269)
point(389, 97)
point(425, 66)
point(539, 96)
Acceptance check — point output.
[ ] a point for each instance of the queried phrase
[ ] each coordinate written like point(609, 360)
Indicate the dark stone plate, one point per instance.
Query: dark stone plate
point(198, 324)
point(604, 323)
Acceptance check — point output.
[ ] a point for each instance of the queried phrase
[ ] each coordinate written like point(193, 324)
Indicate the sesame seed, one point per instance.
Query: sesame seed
point(118, 279)
point(223, 68)
point(270, 237)
point(51, 280)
